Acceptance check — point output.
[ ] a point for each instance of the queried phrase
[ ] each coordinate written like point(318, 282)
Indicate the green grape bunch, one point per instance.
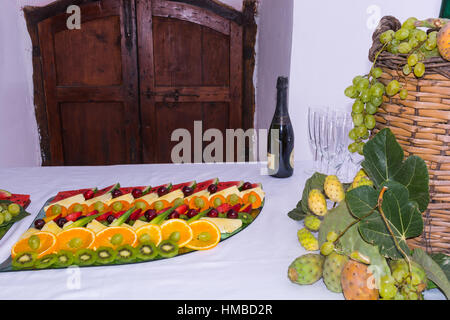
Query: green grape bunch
point(367, 91)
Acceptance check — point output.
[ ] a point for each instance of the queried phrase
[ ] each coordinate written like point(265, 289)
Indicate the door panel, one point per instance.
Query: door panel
point(216, 58)
point(94, 72)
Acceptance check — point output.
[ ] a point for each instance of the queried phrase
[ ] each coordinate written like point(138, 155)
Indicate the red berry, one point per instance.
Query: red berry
point(192, 213)
point(231, 214)
point(89, 194)
point(213, 213)
point(137, 193)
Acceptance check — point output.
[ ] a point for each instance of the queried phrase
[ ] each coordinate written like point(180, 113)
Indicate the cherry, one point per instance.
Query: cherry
point(213, 213)
point(231, 214)
point(150, 215)
point(116, 193)
point(246, 186)
point(89, 194)
point(192, 213)
point(212, 188)
point(110, 218)
point(39, 224)
point(174, 215)
point(162, 191)
point(61, 222)
point(137, 193)
point(187, 191)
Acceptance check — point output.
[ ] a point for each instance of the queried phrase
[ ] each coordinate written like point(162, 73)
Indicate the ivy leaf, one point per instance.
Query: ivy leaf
point(383, 157)
point(433, 270)
point(403, 216)
point(361, 201)
point(316, 181)
point(414, 175)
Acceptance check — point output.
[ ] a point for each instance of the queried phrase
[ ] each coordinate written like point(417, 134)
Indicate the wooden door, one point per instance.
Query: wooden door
point(190, 70)
point(90, 81)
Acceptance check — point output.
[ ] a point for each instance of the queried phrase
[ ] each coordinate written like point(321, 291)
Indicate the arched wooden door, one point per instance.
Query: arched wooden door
point(190, 70)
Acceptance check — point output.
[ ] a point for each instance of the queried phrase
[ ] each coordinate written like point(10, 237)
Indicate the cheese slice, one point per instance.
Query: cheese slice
point(149, 197)
point(96, 226)
point(105, 198)
point(226, 192)
point(171, 196)
point(198, 194)
point(79, 198)
point(139, 223)
point(28, 233)
point(128, 197)
point(225, 225)
point(260, 192)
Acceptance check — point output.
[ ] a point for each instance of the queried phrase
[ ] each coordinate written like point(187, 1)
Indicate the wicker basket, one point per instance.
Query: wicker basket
point(421, 124)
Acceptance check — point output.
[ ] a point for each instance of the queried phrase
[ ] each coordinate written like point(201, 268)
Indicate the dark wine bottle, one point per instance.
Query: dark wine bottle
point(445, 9)
point(280, 149)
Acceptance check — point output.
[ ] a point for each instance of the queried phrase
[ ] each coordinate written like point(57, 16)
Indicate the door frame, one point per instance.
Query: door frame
point(34, 15)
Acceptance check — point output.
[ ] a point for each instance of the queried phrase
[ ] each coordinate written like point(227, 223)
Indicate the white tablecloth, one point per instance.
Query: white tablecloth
point(251, 265)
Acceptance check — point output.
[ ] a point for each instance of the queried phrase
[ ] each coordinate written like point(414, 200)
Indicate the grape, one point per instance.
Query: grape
point(351, 92)
point(158, 205)
point(358, 119)
point(353, 147)
point(352, 134)
point(361, 148)
point(393, 49)
point(377, 89)
point(365, 95)
point(406, 69)
point(356, 80)
point(376, 101)
point(415, 279)
point(14, 209)
point(332, 236)
point(387, 279)
point(393, 87)
point(403, 94)
point(421, 35)
point(377, 72)
point(56, 209)
point(99, 206)
point(395, 42)
point(388, 290)
point(358, 106)
point(409, 23)
point(369, 121)
point(413, 42)
point(361, 131)
point(413, 59)
point(117, 206)
point(362, 84)
point(413, 296)
point(401, 34)
point(404, 47)
point(387, 36)
point(399, 274)
point(327, 248)
point(370, 108)
point(432, 35)
point(430, 44)
point(419, 69)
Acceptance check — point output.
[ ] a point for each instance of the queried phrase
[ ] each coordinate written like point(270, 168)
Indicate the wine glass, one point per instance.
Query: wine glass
point(314, 116)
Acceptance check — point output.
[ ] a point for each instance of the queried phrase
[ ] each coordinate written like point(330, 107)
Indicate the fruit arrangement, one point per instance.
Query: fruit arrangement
point(118, 225)
point(363, 227)
point(415, 41)
point(12, 209)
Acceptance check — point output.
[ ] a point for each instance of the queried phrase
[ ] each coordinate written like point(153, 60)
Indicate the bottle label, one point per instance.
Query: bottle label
point(291, 158)
point(271, 161)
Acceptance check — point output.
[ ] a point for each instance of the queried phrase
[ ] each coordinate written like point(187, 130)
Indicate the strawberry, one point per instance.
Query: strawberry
point(73, 216)
point(92, 213)
point(118, 214)
point(104, 216)
point(247, 208)
point(182, 209)
point(236, 207)
point(136, 214)
point(223, 208)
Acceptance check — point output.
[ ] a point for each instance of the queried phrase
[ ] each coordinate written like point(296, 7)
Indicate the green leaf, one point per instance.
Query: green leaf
point(5, 226)
point(433, 270)
point(443, 261)
point(316, 181)
point(383, 157)
point(337, 220)
point(414, 175)
point(404, 219)
point(297, 213)
point(362, 200)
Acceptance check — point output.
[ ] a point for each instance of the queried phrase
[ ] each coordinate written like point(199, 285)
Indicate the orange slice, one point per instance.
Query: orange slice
point(91, 208)
point(48, 243)
point(49, 212)
point(152, 232)
point(147, 206)
point(257, 199)
point(115, 236)
point(70, 210)
point(206, 235)
point(229, 200)
point(125, 205)
point(193, 205)
point(177, 225)
point(217, 196)
point(165, 204)
point(76, 238)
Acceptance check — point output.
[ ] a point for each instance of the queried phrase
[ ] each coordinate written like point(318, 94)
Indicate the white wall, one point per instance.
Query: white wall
point(331, 40)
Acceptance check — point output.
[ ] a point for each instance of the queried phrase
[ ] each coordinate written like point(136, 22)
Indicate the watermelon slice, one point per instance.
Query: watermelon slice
point(106, 190)
point(21, 199)
point(191, 184)
point(205, 184)
point(167, 185)
point(5, 194)
point(225, 185)
point(67, 194)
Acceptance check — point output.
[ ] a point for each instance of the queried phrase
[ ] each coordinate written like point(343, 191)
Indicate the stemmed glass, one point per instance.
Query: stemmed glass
point(315, 116)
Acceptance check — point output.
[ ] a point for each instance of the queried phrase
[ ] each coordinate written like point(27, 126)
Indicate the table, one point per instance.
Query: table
point(251, 265)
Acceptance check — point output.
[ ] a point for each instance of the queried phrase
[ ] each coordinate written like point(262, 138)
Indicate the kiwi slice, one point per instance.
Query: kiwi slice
point(168, 249)
point(64, 259)
point(245, 217)
point(24, 260)
point(146, 251)
point(85, 257)
point(125, 254)
point(105, 255)
point(46, 261)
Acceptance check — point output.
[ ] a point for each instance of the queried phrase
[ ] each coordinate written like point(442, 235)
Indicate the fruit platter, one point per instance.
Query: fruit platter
point(357, 233)
point(12, 209)
point(117, 225)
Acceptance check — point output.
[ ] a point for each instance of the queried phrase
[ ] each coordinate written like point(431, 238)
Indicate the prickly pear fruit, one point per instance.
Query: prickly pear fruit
point(317, 202)
point(312, 223)
point(356, 282)
point(361, 179)
point(307, 240)
point(306, 269)
point(332, 268)
point(334, 189)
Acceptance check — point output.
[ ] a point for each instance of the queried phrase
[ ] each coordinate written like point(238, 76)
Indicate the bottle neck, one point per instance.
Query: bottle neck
point(282, 103)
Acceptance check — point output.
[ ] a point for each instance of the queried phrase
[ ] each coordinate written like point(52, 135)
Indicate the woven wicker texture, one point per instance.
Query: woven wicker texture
point(421, 124)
